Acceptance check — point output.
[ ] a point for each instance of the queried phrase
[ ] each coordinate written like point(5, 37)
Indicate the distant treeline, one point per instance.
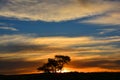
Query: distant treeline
point(64, 76)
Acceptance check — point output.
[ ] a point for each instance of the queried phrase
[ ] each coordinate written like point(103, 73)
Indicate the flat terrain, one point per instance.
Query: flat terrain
point(63, 76)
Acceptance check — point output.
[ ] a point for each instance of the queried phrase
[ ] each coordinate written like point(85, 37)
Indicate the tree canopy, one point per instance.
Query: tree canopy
point(54, 65)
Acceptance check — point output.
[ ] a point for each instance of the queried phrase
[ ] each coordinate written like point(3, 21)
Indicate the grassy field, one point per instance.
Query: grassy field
point(63, 76)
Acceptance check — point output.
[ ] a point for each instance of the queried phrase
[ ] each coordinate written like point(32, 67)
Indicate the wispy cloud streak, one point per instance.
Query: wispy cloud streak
point(8, 28)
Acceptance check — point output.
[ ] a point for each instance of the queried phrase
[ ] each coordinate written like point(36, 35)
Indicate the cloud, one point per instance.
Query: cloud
point(19, 66)
point(16, 43)
point(1, 23)
point(100, 63)
point(56, 10)
point(28, 50)
point(31, 48)
point(111, 18)
point(26, 42)
point(105, 31)
point(9, 28)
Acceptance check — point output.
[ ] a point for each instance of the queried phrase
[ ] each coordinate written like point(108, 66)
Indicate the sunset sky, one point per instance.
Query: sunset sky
point(31, 31)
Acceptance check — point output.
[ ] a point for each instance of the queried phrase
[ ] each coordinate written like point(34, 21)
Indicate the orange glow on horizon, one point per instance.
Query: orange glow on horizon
point(67, 69)
point(85, 70)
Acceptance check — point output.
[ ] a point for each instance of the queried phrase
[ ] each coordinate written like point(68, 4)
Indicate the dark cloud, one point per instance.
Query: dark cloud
point(18, 66)
point(3, 3)
point(86, 1)
point(20, 47)
point(105, 64)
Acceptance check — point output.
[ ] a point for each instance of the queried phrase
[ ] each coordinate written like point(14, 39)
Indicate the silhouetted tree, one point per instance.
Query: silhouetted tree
point(46, 68)
point(54, 65)
point(61, 60)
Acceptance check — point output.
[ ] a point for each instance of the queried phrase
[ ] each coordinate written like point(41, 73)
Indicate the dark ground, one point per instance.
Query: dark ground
point(64, 76)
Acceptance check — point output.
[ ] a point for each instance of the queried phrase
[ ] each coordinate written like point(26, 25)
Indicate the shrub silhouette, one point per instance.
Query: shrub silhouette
point(54, 65)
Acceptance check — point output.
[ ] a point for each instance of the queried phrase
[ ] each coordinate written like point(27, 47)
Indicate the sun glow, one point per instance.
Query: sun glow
point(65, 70)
